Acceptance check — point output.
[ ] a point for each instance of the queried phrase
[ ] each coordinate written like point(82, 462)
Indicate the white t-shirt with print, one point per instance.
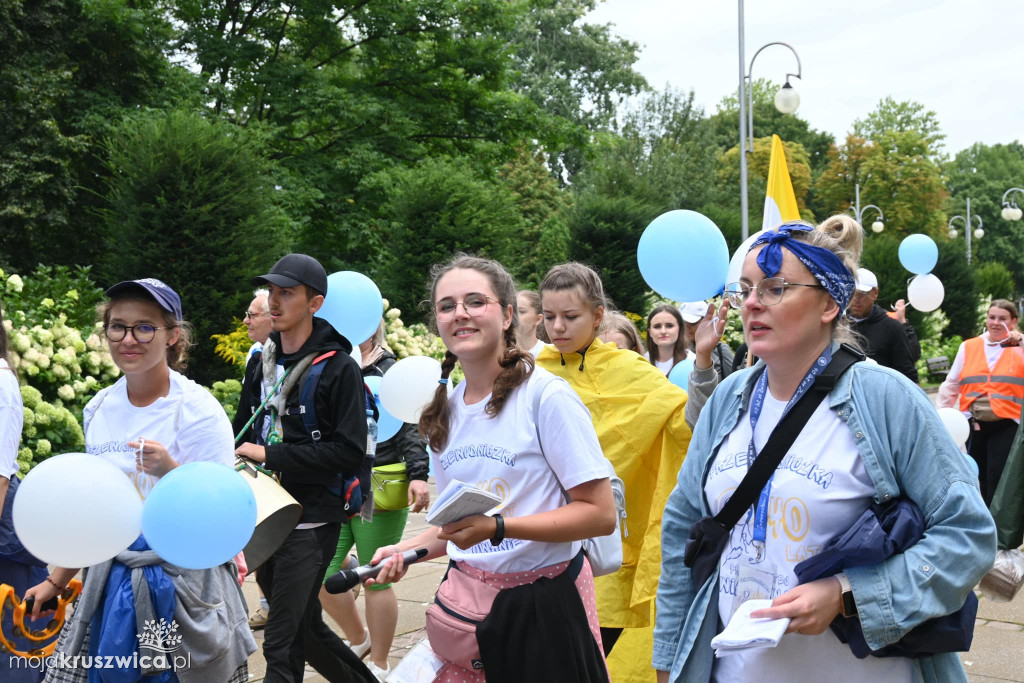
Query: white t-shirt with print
point(188, 422)
point(502, 454)
point(819, 490)
point(537, 348)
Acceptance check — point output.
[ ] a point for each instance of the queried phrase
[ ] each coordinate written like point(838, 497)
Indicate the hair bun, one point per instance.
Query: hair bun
point(846, 231)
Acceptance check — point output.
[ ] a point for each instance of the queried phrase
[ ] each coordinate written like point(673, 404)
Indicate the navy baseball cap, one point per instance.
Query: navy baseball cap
point(164, 296)
point(296, 269)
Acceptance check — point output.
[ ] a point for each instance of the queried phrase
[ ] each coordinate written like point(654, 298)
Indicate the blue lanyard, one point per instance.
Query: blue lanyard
point(756, 404)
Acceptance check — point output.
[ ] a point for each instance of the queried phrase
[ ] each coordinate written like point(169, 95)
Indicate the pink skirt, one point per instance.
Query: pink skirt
point(450, 673)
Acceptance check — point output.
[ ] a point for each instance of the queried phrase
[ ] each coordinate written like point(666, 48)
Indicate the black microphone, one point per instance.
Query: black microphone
point(348, 579)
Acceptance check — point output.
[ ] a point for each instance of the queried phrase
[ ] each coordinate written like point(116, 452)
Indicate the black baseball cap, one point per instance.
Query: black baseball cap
point(296, 269)
point(164, 296)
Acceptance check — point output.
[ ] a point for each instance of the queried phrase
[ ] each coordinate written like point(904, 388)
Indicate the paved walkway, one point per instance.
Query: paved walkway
point(997, 653)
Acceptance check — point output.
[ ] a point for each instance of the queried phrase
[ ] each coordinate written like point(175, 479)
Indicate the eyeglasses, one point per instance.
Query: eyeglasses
point(769, 291)
point(143, 333)
point(473, 304)
point(250, 314)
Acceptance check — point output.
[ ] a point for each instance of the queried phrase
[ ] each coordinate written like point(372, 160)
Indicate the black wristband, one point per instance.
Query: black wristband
point(499, 533)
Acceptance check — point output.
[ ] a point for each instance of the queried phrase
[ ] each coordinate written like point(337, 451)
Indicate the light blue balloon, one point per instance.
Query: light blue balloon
point(353, 305)
point(919, 254)
point(683, 256)
point(199, 515)
point(680, 372)
point(387, 424)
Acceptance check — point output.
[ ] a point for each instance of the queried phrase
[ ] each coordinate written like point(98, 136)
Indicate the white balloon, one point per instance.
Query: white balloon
point(925, 292)
point(957, 425)
point(77, 510)
point(736, 262)
point(409, 386)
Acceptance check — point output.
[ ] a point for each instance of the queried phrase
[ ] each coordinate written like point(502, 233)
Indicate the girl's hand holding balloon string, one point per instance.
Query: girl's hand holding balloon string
point(152, 457)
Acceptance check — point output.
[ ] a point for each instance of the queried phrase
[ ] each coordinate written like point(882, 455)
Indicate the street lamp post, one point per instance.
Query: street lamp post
point(1011, 212)
point(978, 232)
point(786, 101)
point(858, 212)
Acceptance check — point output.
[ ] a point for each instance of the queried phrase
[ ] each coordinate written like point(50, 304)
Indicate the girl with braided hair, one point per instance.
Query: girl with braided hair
point(524, 435)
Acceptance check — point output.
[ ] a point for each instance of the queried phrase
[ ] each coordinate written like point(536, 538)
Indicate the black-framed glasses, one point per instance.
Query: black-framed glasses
point(769, 291)
point(143, 333)
point(474, 304)
point(250, 314)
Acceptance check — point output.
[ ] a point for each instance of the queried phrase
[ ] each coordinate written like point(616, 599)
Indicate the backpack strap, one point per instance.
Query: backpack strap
point(307, 397)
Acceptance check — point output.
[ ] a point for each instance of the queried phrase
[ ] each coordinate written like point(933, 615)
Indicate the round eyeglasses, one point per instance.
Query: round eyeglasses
point(143, 333)
point(473, 304)
point(769, 291)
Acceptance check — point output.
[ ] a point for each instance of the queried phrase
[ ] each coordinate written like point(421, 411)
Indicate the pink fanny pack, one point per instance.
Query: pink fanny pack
point(462, 602)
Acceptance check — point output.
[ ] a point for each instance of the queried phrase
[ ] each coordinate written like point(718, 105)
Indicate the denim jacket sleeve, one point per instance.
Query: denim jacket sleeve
point(907, 451)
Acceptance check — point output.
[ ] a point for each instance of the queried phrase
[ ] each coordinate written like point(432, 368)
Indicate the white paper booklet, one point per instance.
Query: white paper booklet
point(745, 633)
point(460, 500)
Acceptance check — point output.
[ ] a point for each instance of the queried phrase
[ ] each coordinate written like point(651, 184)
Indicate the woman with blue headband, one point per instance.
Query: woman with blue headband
point(873, 438)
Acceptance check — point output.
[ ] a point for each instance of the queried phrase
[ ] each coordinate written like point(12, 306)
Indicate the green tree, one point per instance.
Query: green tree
point(435, 209)
point(767, 121)
point(881, 257)
point(895, 172)
point(983, 173)
point(961, 295)
point(578, 73)
point(191, 202)
point(348, 89)
point(544, 207)
point(68, 71)
point(902, 117)
point(605, 232)
point(659, 156)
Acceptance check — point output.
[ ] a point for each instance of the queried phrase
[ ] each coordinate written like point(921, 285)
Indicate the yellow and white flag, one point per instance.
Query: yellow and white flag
point(779, 199)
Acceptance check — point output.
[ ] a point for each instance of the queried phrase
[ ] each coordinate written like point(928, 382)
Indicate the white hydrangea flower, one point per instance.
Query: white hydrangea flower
point(15, 284)
point(65, 391)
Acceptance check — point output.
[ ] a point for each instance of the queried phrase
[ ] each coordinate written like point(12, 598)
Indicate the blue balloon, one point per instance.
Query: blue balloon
point(680, 372)
point(683, 256)
point(387, 424)
point(919, 254)
point(199, 515)
point(353, 305)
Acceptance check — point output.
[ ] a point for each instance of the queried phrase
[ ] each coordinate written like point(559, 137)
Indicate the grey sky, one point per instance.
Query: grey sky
point(960, 58)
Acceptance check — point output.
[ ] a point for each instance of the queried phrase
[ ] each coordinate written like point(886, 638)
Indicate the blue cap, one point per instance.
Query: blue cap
point(165, 297)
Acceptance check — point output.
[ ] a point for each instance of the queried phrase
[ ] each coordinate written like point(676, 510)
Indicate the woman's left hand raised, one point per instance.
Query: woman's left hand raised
point(709, 333)
point(467, 532)
point(153, 458)
point(810, 607)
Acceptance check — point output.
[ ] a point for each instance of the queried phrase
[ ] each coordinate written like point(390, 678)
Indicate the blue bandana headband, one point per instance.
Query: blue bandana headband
point(827, 268)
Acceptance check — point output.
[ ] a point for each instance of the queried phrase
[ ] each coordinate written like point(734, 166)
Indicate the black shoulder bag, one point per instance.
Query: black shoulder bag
point(709, 535)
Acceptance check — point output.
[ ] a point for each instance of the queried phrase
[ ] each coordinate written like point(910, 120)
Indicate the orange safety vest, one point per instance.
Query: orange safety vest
point(1003, 384)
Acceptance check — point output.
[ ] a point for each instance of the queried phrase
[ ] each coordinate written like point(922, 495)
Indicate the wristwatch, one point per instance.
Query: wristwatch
point(848, 607)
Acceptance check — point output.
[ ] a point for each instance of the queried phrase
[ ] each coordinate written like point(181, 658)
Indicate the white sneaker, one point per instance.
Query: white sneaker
point(380, 673)
point(363, 648)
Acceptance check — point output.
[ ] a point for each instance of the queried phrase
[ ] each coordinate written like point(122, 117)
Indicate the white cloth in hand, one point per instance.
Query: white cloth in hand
point(744, 633)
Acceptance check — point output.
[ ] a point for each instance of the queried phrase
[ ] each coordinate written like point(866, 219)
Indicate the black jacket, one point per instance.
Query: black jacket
point(888, 342)
point(307, 467)
point(405, 446)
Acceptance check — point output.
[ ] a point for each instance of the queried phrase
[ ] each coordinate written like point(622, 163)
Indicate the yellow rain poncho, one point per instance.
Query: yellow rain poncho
point(638, 415)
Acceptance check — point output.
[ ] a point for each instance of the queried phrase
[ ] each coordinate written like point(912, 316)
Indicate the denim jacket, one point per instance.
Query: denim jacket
point(906, 450)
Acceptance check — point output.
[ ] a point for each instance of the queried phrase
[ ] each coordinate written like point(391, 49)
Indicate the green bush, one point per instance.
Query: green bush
point(994, 280)
point(60, 364)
